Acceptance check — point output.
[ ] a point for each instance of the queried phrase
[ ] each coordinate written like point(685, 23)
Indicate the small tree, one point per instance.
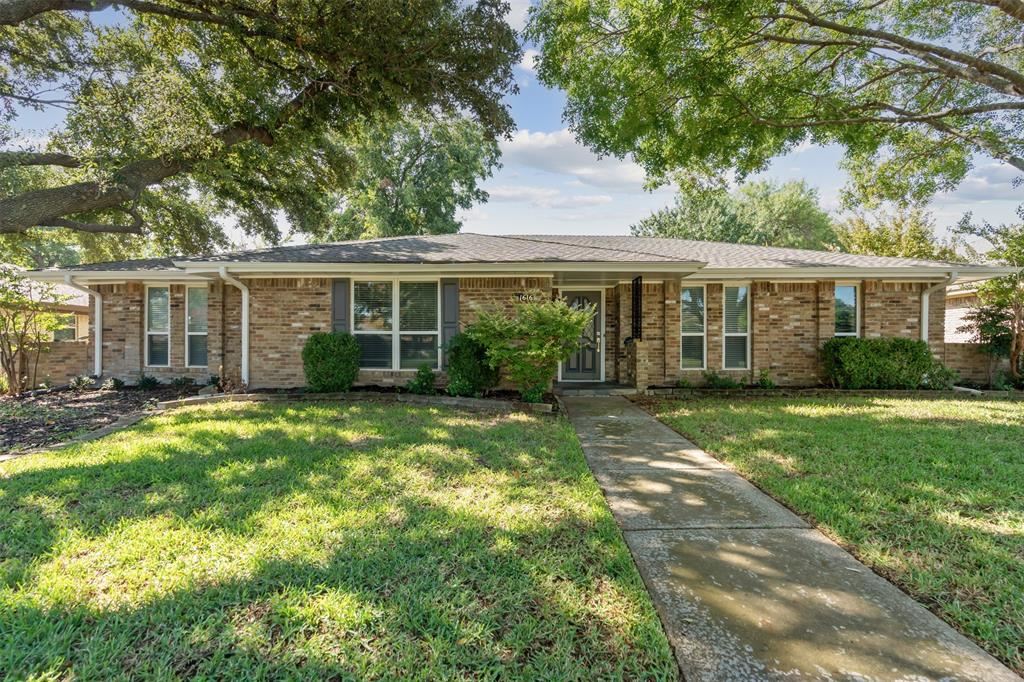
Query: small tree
point(26, 323)
point(530, 342)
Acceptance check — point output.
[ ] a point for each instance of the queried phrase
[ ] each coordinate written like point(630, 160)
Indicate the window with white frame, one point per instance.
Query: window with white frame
point(196, 327)
point(158, 326)
point(847, 310)
point(389, 341)
point(68, 330)
point(693, 319)
point(736, 328)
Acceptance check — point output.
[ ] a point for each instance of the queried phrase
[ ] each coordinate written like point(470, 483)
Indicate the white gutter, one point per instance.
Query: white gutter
point(245, 320)
point(926, 296)
point(97, 357)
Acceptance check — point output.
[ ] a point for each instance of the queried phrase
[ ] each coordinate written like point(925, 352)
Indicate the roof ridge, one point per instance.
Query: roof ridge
point(533, 240)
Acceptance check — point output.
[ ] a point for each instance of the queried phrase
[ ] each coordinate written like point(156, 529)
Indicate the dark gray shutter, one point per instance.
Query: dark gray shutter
point(339, 306)
point(449, 312)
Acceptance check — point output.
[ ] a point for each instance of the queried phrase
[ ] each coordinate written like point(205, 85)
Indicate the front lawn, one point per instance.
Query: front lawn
point(928, 492)
point(249, 541)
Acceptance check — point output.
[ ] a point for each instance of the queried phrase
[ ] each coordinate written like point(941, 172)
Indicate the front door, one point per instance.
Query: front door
point(585, 364)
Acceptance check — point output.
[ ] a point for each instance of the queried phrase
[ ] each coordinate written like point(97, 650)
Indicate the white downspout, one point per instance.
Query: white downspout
point(97, 351)
point(926, 295)
point(245, 321)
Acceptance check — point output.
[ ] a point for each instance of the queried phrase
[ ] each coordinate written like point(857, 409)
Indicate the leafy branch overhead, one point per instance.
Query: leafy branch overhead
point(242, 108)
point(911, 88)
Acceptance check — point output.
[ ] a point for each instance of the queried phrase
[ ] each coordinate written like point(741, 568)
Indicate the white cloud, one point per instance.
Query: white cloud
point(518, 13)
point(545, 197)
point(559, 152)
point(988, 182)
point(527, 62)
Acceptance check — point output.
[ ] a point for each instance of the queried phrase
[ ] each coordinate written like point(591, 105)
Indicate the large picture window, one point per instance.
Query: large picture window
point(692, 328)
point(387, 341)
point(196, 326)
point(736, 337)
point(158, 326)
point(847, 310)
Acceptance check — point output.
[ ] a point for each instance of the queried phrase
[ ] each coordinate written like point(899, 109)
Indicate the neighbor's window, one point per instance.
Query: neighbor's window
point(692, 317)
point(846, 310)
point(68, 330)
point(196, 326)
point(737, 327)
point(389, 343)
point(158, 318)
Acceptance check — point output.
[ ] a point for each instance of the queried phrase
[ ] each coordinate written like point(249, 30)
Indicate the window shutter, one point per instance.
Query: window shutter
point(449, 312)
point(339, 306)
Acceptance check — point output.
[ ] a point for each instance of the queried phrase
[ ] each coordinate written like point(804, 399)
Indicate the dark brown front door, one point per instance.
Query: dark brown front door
point(585, 364)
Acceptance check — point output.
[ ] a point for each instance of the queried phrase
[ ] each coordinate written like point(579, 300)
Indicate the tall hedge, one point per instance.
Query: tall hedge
point(883, 364)
point(330, 361)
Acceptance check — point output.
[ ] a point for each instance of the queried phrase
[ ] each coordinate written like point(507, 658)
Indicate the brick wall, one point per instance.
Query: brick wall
point(972, 365)
point(495, 293)
point(61, 361)
point(786, 335)
point(283, 312)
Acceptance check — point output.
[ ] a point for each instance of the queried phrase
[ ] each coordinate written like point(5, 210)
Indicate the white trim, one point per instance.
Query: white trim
point(725, 335)
point(601, 331)
point(188, 352)
point(244, 321)
point(396, 326)
point(704, 325)
point(145, 324)
point(97, 297)
point(857, 308)
point(926, 295)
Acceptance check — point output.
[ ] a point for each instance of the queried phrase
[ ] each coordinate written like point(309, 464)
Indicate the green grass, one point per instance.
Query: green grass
point(249, 541)
point(928, 492)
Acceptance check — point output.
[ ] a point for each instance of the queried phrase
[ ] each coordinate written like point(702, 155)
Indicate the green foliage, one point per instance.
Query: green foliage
point(330, 361)
point(906, 233)
point(763, 213)
point(177, 120)
point(112, 384)
point(709, 89)
point(529, 343)
point(147, 382)
point(26, 325)
point(939, 377)
point(425, 381)
point(683, 382)
point(213, 381)
point(412, 176)
point(716, 380)
point(81, 383)
point(469, 372)
point(764, 380)
point(183, 383)
point(890, 363)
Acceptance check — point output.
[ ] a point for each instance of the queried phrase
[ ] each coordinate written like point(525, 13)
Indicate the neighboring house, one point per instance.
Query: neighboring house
point(667, 308)
point(961, 350)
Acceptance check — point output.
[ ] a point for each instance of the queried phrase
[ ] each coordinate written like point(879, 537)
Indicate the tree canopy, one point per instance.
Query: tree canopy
point(763, 213)
point(180, 113)
point(907, 233)
point(412, 175)
point(911, 88)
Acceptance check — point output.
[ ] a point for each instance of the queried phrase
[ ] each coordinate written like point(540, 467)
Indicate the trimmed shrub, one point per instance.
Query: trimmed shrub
point(147, 383)
point(330, 361)
point(882, 364)
point(181, 383)
point(80, 383)
point(112, 384)
point(715, 380)
point(765, 381)
point(469, 373)
point(424, 383)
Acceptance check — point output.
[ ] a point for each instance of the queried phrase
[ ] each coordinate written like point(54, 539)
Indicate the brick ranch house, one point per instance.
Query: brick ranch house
point(667, 308)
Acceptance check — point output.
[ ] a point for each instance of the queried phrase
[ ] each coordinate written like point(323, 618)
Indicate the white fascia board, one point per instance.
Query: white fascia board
point(966, 273)
point(116, 276)
point(544, 268)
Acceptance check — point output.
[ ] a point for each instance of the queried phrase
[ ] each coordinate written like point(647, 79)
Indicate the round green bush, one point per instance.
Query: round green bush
point(330, 361)
point(889, 363)
point(469, 374)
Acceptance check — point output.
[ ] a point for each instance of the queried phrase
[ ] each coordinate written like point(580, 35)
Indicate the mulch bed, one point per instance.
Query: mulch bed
point(35, 421)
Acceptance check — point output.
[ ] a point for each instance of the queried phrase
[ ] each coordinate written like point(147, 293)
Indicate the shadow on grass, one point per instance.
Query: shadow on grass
point(369, 542)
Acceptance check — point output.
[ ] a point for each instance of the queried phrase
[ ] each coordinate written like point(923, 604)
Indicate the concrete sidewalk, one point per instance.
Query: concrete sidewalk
point(745, 588)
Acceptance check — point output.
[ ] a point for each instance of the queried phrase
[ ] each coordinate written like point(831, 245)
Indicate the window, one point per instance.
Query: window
point(847, 310)
point(736, 339)
point(693, 319)
point(158, 317)
point(196, 326)
point(389, 343)
point(68, 330)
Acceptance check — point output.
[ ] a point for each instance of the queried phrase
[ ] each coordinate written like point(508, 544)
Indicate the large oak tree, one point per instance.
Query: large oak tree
point(177, 112)
point(911, 88)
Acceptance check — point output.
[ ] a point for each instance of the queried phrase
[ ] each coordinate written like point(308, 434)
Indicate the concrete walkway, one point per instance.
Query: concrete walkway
point(745, 588)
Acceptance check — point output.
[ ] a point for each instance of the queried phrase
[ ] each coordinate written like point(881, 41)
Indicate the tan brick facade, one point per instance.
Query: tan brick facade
point(61, 361)
point(789, 322)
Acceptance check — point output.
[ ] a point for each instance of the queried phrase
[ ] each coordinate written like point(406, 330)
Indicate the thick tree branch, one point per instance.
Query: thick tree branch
point(1014, 8)
point(9, 159)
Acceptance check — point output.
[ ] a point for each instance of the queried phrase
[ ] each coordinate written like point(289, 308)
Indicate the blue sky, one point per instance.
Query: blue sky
point(551, 184)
